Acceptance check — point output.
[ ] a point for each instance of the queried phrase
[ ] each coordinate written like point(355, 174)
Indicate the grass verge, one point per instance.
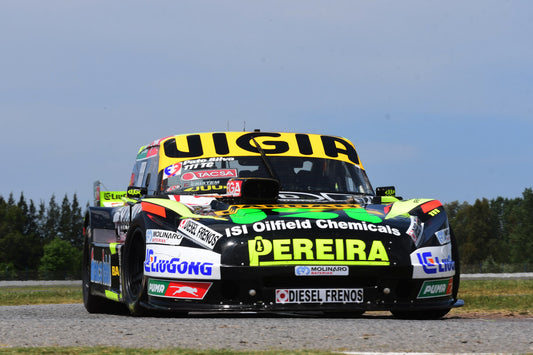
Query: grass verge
point(31, 295)
point(514, 296)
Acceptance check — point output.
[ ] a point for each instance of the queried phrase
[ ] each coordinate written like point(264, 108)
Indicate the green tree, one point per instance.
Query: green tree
point(477, 227)
point(521, 236)
point(18, 245)
point(76, 224)
point(71, 222)
point(60, 259)
point(65, 220)
point(52, 219)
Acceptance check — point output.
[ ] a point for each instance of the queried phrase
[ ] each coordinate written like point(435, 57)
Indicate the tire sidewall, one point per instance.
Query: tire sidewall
point(132, 259)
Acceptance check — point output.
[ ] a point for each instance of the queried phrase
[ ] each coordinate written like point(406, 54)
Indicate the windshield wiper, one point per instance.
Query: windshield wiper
point(266, 161)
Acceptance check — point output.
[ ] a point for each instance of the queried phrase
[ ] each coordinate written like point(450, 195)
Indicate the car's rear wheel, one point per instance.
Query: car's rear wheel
point(133, 270)
point(92, 303)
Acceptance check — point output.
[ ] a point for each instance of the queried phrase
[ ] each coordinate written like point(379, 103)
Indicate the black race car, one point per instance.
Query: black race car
point(265, 222)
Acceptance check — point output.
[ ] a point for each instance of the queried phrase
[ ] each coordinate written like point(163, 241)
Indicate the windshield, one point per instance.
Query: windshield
point(300, 174)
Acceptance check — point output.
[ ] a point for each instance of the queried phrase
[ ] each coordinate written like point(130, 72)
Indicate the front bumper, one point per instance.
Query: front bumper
point(278, 289)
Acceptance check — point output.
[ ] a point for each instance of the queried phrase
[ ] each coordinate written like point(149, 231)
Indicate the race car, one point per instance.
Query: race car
point(265, 222)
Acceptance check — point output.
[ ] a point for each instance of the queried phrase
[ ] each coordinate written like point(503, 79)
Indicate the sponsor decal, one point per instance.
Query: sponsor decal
point(178, 289)
point(204, 188)
point(160, 236)
point(209, 174)
point(181, 262)
point(203, 145)
point(325, 270)
point(172, 170)
point(112, 198)
point(299, 224)
point(320, 295)
point(443, 236)
point(304, 251)
point(358, 226)
point(101, 269)
point(415, 229)
point(234, 187)
point(315, 197)
point(436, 288)
point(199, 233)
point(433, 262)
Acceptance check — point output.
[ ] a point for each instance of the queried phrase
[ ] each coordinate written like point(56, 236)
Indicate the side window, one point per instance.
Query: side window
point(145, 170)
point(140, 175)
point(151, 181)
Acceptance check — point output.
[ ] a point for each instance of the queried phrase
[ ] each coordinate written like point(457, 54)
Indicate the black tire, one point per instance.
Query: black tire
point(438, 313)
point(134, 288)
point(92, 303)
point(457, 259)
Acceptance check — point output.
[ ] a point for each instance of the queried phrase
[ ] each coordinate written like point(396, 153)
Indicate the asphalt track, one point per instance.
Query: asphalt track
point(71, 325)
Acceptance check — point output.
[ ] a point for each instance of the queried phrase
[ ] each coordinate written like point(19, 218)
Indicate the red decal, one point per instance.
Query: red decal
point(387, 209)
point(233, 188)
point(450, 287)
point(152, 151)
point(155, 209)
point(430, 206)
point(209, 174)
point(190, 290)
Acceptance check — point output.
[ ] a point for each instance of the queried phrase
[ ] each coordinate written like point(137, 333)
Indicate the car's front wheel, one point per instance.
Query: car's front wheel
point(133, 270)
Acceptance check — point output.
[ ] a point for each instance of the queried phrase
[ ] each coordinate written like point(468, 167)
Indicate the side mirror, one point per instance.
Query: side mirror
point(386, 191)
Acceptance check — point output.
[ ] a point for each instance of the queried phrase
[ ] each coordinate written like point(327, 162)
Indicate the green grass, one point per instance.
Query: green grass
point(497, 296)
point(25, 295)
point(479, 295)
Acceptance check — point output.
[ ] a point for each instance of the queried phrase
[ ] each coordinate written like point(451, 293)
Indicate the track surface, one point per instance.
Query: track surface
point(71, 325)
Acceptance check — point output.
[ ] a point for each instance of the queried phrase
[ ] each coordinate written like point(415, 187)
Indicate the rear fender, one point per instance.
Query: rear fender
point(105, 269)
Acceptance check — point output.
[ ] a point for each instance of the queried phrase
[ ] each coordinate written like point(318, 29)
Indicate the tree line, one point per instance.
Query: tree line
point(46, 240)
point(40, 241)
point(494, 235)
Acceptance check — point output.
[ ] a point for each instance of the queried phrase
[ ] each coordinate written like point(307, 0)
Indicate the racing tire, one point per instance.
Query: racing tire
point(134, 288)
point(457, 259)
point(438, 313)
point(92, 303)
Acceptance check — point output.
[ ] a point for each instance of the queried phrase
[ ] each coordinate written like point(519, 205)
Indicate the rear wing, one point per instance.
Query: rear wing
point(108, 198)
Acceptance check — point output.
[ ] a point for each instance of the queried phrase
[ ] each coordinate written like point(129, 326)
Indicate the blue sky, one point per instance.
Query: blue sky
point(437, 96)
